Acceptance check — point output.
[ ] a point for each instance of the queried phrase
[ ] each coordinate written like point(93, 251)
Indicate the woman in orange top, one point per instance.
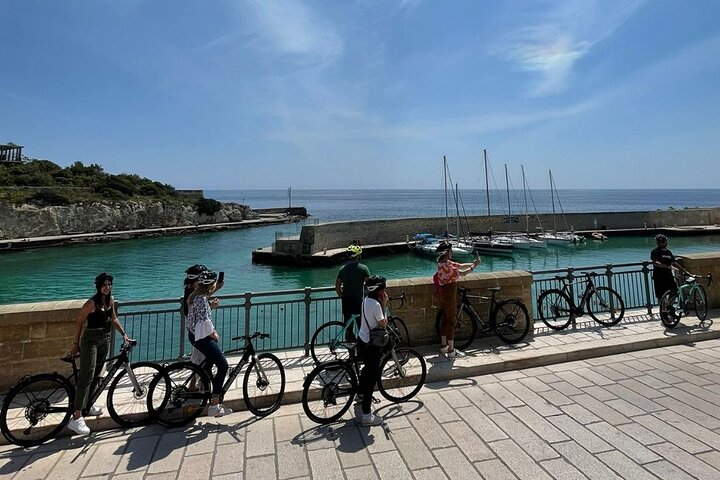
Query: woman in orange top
point(448, 273)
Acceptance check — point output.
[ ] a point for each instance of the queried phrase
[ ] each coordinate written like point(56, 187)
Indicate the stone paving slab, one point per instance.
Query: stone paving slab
point(481, 426)
point(545, 348)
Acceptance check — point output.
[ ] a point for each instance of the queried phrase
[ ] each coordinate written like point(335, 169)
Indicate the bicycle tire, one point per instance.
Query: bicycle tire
point(328, 343)
point(397, 324)
point(325, 384)
point(172, 397)
point(512, 321)
point(699, 301)
point(126, 406)
point(465, 328)
point(270, 384)
point(555, 309)
point(47, 391)
point(406, 376)
point(670, 309)
point(606, 301)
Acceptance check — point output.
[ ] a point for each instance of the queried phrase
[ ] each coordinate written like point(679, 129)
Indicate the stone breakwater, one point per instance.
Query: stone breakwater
point(31, 221)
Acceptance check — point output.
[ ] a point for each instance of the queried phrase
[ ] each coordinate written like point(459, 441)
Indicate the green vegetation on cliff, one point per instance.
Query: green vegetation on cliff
point(42, 182)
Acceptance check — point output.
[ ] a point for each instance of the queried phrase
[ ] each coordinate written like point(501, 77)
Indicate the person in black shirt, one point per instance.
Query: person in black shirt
point(350, 287)
point(663, 261)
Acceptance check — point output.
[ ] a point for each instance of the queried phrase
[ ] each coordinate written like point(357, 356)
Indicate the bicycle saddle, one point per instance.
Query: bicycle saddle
point(494, 289)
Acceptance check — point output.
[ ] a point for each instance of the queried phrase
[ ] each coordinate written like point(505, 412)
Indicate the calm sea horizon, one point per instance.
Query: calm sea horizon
point(152, 268)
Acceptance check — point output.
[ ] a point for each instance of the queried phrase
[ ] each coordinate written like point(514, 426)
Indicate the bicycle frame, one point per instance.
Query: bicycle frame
point(466, 305)
point(352, 321)
point(579, 308)
point(687, 289)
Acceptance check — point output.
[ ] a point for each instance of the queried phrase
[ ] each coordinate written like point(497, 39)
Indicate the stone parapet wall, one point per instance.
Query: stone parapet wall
point(33, 336)
point(316, 238)
point(421, 309)
point(702, 264)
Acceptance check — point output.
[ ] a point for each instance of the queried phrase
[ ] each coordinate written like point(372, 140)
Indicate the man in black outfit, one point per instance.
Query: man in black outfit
point(350, 287)
point(663, 260)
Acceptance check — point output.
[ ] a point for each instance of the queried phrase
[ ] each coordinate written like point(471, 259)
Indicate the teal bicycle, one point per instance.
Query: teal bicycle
point(335, 340)
point(690, 295)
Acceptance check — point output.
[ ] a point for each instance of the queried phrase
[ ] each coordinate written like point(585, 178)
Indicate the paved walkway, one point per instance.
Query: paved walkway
point(642, 414)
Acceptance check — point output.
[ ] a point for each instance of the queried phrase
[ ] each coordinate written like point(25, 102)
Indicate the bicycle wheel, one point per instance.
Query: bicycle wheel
point(128, 405)
point(606, 306)
point(328, 343)
point(179, 394)
point(36, 409)
point(465, 328)
point(670, 309)
point(699, 302)
point(401, 337)
point(403, 375)
point(555, 309)
point(264, 384)
point(512, 321)
point(328, 392)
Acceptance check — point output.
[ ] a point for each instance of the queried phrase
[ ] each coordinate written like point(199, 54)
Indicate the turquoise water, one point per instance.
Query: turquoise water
point(152, 268)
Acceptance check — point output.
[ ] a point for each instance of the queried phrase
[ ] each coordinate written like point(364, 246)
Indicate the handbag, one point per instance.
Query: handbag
point(379, 337)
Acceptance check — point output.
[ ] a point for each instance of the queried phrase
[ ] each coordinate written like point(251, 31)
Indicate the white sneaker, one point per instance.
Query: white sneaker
point(370, 419)
point(455, 354)
point(218, 410)
point(78, 426)
point(95, 411)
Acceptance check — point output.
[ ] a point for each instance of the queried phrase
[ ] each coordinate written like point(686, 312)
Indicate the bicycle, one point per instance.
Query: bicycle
point(331, 340)
point(183, 389)
point(508, 318)
point(330, 388)
point(674, 304)
point(38, 407)
point(557, 307)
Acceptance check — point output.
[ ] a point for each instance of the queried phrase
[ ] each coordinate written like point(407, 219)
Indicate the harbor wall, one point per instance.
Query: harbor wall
point(33, 336)
point(326, 236)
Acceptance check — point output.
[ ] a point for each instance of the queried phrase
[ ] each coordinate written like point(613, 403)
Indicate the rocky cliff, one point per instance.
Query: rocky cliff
point(32, 221)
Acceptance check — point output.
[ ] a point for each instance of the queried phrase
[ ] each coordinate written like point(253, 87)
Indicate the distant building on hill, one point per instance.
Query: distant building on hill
point(10, 153)
point(191, 193)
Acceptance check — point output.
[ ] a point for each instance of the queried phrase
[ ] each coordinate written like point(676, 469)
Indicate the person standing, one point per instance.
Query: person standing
point(98, 316)
point(663, 262)
point(349, 286)
point(448, 273)
point(372, 313)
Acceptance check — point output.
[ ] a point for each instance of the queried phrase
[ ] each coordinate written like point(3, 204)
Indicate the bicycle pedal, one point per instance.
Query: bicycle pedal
point(375, 400)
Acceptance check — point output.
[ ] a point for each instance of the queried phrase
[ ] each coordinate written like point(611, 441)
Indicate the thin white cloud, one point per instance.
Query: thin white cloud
point(288, 27)
point(551, 45)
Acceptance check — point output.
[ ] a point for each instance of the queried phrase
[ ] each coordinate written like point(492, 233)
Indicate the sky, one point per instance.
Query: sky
point(260, 94)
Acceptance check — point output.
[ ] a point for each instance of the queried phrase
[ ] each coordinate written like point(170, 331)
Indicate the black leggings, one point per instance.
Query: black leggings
point(370, 374)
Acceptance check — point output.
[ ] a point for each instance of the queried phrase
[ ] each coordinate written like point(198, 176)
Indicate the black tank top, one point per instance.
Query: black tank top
point(100, 318)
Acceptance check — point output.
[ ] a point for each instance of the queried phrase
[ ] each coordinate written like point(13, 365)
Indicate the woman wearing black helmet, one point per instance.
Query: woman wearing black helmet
point(99, 316)
point(663, 261)
point(202, 332)
point(372, 315)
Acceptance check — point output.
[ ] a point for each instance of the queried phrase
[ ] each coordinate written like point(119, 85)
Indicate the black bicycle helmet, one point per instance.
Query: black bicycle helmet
point(375, 282)
point(660, 238)
point(207, 277)
point(195, 271)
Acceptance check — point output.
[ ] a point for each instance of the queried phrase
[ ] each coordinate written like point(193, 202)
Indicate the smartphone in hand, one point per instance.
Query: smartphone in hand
point(221, 277)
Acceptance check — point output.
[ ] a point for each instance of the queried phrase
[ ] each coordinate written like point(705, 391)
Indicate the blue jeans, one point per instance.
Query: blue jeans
point(214, 356)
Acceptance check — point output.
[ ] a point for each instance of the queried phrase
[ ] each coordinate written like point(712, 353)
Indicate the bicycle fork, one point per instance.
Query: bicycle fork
point(137, 388)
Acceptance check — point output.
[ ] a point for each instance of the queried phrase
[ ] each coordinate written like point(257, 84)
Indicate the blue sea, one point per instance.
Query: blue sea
point(152, 268)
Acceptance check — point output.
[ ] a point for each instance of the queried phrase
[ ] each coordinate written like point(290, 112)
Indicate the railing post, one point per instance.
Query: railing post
point(181, 337)
point(609, 274)
point(247, 305)
point(571, 289)
point(646, 281)
point(308, 300)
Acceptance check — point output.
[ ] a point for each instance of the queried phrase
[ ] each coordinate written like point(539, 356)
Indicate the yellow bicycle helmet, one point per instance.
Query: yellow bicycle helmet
point(354, 250)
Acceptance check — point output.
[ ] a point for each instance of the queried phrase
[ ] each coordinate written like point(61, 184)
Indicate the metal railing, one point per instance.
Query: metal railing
point(292, 316)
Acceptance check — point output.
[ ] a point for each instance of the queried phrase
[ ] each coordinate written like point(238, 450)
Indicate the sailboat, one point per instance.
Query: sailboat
point(554, 237)
point(518, 240)
point(427, 244)
point(487, 243)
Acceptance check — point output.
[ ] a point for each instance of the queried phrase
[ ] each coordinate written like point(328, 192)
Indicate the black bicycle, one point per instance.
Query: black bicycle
point(329, 389)
point(183, 389)
point(330, 340)
point(509, 319)
point(39, 406)
point(557, 307)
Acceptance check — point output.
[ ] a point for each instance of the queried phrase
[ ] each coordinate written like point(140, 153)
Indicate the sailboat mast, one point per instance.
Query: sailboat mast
point(527, 217)
point(447, 224)
point(487, 187)
point(457, 211)
point(552, 198)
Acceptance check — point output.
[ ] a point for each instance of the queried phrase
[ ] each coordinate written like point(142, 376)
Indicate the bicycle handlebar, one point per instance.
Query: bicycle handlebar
point(401, 298)
point(250, 337)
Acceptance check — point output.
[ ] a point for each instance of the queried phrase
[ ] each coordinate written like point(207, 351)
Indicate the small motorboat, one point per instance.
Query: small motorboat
point(598, 236)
